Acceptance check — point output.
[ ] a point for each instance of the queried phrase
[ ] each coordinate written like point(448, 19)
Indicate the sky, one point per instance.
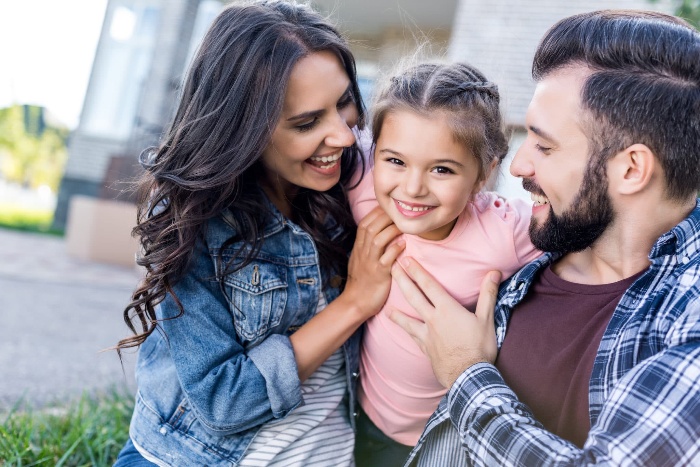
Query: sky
point(46, 53)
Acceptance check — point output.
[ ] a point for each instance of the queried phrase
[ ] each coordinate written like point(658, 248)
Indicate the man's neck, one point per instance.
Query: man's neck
point(623, 249)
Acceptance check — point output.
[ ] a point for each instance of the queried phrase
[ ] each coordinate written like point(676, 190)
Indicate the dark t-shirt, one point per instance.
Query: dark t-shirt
point(550, 345)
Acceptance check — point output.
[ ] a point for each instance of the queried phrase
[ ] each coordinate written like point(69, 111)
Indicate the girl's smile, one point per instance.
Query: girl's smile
point(423, 178)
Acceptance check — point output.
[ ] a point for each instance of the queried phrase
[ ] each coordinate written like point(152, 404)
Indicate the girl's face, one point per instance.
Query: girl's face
point(423, 178)
point(318, 112)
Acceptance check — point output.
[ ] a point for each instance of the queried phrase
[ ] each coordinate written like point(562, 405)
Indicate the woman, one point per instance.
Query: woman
point(245, 230)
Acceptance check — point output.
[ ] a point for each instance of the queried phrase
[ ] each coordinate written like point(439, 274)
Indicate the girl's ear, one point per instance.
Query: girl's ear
point(488, 178)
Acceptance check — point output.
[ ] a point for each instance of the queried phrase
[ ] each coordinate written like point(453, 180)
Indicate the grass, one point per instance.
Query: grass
point(18, 217)
point(88, 432)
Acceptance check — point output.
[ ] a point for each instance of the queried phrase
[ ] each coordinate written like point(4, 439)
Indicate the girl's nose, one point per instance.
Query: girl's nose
point(414, 185)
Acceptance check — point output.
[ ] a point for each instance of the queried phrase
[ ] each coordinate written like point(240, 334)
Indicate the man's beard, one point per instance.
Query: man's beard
point(581, 224)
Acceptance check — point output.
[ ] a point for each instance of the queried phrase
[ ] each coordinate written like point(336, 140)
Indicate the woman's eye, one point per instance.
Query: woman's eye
point(307, 126)
point(542, 149)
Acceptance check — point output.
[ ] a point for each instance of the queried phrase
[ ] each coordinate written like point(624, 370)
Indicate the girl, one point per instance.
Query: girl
point(245, 231)
point(437, 136)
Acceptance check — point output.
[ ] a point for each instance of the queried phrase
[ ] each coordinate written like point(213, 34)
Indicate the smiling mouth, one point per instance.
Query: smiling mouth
point(325, 162)
point(539, 200)
point(536, 194)
point(413, 208)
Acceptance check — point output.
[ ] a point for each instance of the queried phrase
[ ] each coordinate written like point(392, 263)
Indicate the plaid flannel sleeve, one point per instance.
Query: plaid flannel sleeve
point(651, 417)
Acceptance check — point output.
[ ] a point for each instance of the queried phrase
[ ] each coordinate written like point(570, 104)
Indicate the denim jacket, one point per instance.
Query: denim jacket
point(213, 376)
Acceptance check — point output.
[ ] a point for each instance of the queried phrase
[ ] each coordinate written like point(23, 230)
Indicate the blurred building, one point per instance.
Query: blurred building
point(500, 38)
point(143, 52)
point(145, 46)
point(141, 55)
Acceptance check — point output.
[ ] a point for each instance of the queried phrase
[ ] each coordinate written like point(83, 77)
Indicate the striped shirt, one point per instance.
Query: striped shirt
point(316, 433)
point(644, 392)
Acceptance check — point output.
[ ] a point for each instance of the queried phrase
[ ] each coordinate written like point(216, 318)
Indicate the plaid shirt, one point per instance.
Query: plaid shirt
point(644, 389)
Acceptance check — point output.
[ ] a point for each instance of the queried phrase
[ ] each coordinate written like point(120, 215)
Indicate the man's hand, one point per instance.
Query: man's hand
point(450, 335)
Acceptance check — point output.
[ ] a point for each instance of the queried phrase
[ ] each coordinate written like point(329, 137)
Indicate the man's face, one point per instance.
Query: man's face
point(571, 204)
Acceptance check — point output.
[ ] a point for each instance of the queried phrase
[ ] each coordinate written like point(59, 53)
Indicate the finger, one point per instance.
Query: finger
point(392, 252)
point(377, 222)
point(414, 327)
point(488, 295)
point(380, 242)
point(364, 224)
point(372, 216)
point(411, 292)
point(431, 288)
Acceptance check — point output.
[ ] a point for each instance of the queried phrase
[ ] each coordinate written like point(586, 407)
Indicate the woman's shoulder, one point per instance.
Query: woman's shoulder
point(220, 229)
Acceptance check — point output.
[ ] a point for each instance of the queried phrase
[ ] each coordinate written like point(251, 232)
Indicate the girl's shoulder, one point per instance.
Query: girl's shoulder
point(490, 203)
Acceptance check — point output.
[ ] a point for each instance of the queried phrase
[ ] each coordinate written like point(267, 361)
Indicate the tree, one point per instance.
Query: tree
point(32, 153)
point(689, 10)
point(686, 9)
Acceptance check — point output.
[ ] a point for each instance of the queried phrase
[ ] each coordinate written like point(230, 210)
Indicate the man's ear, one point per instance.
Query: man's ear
point(632, 169)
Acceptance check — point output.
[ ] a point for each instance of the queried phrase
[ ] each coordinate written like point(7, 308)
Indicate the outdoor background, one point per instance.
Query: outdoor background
point(85, 85)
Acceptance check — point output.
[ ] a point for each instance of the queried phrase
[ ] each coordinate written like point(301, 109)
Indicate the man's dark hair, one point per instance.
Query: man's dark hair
point(644, 86)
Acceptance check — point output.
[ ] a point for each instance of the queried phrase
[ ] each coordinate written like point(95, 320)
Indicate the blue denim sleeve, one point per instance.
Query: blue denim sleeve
point(229, 389)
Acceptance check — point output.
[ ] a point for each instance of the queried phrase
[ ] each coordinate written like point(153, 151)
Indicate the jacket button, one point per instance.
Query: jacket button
point(355, 414)
point(355, 374)
point(163, 430)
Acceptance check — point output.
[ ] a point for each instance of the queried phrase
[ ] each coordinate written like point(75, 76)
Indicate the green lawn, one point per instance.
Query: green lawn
point(89, 432)
point(20, 217)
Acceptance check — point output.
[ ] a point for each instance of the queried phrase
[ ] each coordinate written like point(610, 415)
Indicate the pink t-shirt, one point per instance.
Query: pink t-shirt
point(398, 390)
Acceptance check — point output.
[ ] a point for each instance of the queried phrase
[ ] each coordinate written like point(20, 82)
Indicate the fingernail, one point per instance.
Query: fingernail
point(495, 277)
point(405, 262)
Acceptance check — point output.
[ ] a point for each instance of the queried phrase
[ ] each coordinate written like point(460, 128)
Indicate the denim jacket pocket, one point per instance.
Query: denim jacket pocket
point(258, 295)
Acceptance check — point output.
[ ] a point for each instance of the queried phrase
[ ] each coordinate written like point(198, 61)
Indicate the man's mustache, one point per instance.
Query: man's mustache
point(532, 187)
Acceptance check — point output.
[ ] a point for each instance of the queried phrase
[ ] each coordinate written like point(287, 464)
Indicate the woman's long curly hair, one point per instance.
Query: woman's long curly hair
point(209, 159)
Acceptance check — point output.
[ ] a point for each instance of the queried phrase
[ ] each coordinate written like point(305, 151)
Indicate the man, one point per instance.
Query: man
point(596, 355)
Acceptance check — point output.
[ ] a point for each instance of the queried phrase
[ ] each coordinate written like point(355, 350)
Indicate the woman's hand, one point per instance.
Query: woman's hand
point(369, 280)
point(369, 269)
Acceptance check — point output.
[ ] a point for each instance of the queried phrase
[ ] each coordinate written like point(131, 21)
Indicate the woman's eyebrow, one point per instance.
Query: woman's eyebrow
point(308, 114)
point(319, 112)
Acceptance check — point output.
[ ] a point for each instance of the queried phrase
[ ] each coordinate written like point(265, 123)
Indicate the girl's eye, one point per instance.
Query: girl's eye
point(307, 126)
point(443, 170)
point(542, 149)
point(395, 161)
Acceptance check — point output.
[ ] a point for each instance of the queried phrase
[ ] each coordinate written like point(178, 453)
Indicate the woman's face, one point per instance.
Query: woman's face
point(318, 112)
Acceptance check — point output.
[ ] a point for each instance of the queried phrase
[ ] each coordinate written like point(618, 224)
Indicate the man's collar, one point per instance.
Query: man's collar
point(683, 240)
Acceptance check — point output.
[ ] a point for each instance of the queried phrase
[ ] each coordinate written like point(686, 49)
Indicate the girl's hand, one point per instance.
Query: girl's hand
point(369, 269)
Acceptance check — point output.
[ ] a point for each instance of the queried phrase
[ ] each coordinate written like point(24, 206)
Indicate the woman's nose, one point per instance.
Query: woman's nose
point(341, 134)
